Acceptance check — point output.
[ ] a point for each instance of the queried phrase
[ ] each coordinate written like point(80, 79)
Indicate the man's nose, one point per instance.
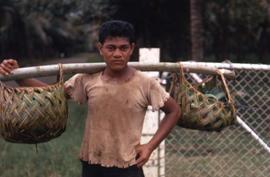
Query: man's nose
point(117, 53)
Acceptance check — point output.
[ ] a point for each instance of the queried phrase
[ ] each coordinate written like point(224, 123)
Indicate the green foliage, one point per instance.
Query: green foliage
point(44, 28)
point(233, 27)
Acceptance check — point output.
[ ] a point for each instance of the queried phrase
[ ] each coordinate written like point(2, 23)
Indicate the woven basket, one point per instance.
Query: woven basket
point(202, 111)
point(33, 114)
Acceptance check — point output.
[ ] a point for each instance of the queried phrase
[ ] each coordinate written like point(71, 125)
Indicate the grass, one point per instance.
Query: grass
point(232, 164)
point(196, 155)
point(188, 154)
point(230, 153)
point(57, 158)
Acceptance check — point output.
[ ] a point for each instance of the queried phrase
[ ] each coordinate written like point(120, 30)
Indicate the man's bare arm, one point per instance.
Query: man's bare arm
point(8, 65)
point(172, 114)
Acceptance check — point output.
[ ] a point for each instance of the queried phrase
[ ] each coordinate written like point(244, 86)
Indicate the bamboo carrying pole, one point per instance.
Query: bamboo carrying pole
point(235, 66)
point(47, 70)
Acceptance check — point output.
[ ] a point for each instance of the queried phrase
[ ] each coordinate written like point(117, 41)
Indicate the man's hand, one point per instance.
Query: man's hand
point(143, 153)
point(7, 66)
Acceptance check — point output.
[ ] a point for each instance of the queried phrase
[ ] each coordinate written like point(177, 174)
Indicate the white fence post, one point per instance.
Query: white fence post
point(156, 165)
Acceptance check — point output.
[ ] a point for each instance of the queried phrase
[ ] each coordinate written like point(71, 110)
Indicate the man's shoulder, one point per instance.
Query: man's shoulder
point(88, 75)
point(145, 80)
point(144, 76)
point(84, 77)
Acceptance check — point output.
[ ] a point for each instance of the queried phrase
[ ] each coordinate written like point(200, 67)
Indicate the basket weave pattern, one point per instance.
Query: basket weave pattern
point(200, 111)
point(33, 114)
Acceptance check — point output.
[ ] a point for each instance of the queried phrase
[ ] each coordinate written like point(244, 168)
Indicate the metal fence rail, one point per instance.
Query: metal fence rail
point(234, 152)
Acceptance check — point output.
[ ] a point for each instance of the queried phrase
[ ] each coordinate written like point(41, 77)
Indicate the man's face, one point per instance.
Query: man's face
point(116, 52)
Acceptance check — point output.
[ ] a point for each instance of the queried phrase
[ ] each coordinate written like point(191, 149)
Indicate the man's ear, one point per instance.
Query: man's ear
point(132, 46)
point(99, 46)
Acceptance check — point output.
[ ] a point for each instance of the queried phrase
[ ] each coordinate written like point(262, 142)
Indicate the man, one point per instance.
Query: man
point(117, 101)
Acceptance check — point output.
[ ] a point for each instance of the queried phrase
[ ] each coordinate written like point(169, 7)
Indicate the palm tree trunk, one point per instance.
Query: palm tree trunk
point(196, 30)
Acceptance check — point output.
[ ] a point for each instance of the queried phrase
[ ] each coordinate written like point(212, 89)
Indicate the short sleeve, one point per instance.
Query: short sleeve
point(157, 95)
point(74, 87)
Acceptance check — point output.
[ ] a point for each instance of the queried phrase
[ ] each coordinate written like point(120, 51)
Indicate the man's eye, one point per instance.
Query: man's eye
point(110, 48)
point(124, 48)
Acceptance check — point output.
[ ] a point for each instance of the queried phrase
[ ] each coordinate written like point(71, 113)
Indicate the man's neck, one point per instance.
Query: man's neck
point(115, 74)
point(121, 75)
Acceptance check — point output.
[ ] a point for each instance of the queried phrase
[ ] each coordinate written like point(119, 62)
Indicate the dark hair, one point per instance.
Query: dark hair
point(116, 28)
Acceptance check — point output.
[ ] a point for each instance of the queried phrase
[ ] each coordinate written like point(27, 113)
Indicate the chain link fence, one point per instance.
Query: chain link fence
point(234, 152)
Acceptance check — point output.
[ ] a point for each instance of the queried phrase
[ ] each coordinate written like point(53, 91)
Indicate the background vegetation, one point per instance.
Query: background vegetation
point(210, 30)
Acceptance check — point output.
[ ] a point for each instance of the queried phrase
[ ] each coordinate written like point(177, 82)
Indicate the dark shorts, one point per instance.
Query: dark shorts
point(89, 170)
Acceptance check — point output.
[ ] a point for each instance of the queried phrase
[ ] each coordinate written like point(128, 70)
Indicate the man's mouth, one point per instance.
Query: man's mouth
point(118, 62)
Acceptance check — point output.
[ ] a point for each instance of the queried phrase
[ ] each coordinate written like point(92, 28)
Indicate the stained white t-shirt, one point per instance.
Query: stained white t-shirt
point(115, 116)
